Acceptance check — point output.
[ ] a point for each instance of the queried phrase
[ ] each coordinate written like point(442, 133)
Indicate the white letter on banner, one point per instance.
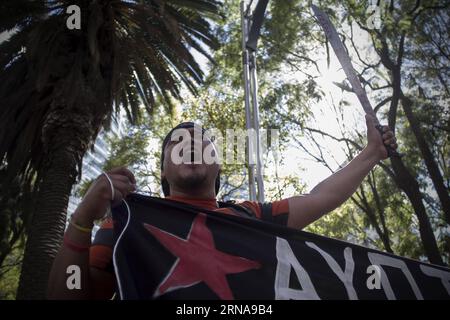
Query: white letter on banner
point(443, 275)
point(286, 261)
point(381, 259)
point(345, 276)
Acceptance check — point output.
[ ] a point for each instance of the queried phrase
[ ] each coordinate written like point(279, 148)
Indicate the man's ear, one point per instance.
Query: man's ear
point(164, 185)
point(217, 182)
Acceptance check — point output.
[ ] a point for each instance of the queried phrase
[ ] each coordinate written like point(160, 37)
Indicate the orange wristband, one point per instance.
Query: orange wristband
point(73, 246)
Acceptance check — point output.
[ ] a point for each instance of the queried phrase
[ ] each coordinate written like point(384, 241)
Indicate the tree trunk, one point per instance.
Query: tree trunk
point(66, 136)
point(385, 235)
point(404, 179)
point(47, 227)
point(409, 185)
point(433, 169)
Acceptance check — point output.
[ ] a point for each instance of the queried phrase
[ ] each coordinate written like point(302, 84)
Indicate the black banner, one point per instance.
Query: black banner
point(169, 250)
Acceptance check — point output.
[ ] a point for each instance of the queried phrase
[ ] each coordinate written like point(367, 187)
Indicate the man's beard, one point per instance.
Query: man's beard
point(194, 181)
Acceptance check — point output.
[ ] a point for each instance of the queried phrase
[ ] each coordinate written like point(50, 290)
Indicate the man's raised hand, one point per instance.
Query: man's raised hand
point(99, 196)
point(377, 143)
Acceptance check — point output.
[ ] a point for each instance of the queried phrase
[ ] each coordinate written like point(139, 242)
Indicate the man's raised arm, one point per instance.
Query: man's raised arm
point(336, 189)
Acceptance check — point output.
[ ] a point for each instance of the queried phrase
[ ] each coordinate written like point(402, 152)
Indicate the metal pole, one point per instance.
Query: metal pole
point(248, 116)
point(254, 87)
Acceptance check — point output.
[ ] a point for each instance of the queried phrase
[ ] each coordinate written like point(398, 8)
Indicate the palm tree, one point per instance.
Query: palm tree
point(59, 87)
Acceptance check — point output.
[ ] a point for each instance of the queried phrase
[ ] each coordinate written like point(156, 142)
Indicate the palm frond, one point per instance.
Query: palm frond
point(126, 53)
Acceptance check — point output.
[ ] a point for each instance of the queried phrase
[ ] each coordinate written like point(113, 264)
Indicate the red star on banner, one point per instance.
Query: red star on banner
point(198, 260)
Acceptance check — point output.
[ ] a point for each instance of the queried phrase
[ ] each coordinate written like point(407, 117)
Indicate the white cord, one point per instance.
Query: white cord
point(116, 271)
point(111, 184)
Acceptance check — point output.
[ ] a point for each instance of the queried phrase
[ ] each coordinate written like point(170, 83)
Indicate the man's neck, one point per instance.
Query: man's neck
point(193, 194)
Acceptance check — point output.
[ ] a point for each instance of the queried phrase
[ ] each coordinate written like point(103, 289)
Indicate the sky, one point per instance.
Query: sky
point(324, 118)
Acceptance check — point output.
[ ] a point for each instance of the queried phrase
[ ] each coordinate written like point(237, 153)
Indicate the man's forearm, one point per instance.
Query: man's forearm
point(337, 188)
point(57, 287)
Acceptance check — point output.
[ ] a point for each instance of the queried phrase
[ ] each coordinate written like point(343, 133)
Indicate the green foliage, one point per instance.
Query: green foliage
point(379, 215)
point(15, 211)
point(9, 274)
